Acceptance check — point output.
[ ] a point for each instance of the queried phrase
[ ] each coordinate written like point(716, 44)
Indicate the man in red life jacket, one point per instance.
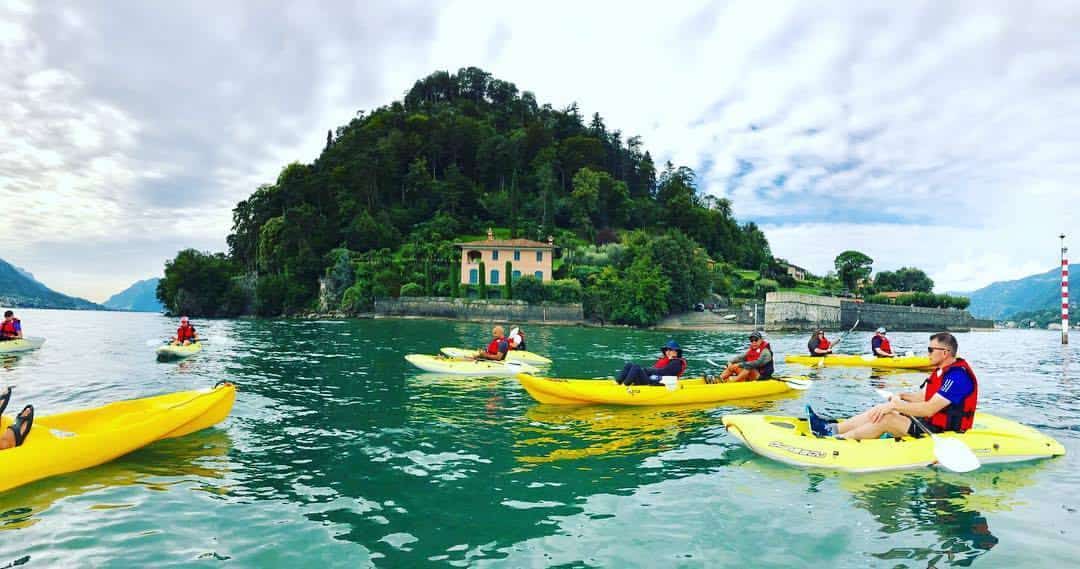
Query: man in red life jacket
point(947, 403)
point(497, 348)
point(186, 333)
point(880, 345)
point(819, 345)
point(755, 364)
point(11, 327)
point(671, 363)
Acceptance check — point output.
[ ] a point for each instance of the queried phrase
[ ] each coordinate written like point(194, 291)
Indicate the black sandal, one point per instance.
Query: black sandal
point(23, 419)
point(6, 398)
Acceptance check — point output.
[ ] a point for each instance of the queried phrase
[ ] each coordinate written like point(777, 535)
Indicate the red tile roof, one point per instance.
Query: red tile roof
point(506, 243)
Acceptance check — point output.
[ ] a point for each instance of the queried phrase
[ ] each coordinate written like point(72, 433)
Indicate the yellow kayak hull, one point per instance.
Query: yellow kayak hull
point(442, 364)
point(176, 351)
point(788, 439)
point(20, 345)
point(607, 392)
point(67, 442)
point(902, 362)
point(522, 356)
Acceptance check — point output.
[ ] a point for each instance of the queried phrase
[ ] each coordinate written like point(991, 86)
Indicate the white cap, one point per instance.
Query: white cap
point(881, 330)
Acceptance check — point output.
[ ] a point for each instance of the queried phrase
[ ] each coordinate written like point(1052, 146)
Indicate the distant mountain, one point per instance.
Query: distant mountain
point(139, 297)
point(1001, 300)
point(18, 288)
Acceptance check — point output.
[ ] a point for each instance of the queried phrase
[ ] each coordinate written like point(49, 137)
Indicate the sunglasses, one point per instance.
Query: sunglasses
point(930, 349)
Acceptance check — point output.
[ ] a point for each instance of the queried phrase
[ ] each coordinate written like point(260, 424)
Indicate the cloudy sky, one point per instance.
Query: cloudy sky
point(944, 135)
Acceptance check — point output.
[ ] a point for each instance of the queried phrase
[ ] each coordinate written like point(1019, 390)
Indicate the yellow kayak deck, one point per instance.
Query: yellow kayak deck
point(20, 345)
point(601, 391)
point(176, 351)
point(788, 439)
point(867, 360)
point(67, 442)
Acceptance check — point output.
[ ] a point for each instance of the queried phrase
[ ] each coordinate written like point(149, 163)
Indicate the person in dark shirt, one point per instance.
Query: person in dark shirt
point(880, 345)
point(670, 364)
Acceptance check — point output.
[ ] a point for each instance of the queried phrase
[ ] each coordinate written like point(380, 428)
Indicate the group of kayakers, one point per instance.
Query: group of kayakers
point(947, 402)
point(11, 329)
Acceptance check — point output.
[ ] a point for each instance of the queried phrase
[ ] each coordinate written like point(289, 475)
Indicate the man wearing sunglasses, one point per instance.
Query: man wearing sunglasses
point(947, 403)
point(755, 364)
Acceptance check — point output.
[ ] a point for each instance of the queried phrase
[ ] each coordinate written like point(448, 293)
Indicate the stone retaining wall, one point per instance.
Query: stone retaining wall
point(480, 311)
point(796, 311)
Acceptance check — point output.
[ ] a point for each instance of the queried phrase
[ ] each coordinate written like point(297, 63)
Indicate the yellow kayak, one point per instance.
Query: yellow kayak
point(178, 351)
point(72, 441)
point(867, 360)
point(20, 345)
point(442, 364)
point(513, 355)
point(606, 391)
point(788, 440)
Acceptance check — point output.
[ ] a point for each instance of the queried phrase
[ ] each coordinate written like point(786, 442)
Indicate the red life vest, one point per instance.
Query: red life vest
point(493, 347)
point(822, 343)
point(8, 330)
point(754, 353)
point(955, 417)
point(663, 362)
point(885, 345)
point(185, 333)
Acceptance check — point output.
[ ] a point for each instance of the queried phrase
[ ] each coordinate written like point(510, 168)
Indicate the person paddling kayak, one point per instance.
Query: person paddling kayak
point(10, 328)
point(670, 363)
point(186, 333)
point(880, 346)
point(947, 404)
point(819, 345)
point(755, 364)
point(16, 434)
point(497, 348)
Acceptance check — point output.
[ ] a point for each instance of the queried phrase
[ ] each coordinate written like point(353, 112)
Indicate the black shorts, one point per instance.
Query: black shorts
point(916, 432)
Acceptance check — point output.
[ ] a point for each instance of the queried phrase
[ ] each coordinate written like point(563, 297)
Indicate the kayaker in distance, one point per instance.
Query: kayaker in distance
point(670, 363)
point(880, 346)
point(11, 327)
point(819, 345)
point(16, 434)
point(186, 333)
point(497, 348)
point(948, 402)
point(517, 339)
point(755, 364)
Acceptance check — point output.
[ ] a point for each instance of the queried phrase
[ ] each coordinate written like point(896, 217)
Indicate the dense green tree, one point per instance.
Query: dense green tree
point(852, 267)
point(200, 284)
point(906, 279)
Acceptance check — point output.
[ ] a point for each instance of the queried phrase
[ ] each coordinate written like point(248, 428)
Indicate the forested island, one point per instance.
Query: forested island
point(379, 211)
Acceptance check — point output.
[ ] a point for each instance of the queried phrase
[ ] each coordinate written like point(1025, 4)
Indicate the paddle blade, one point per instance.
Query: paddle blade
point(868, 357)
point(799, 384)
point(954, 455)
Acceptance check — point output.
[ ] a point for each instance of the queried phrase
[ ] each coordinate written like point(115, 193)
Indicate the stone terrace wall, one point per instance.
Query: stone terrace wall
point(790, 310)
point(909, 318)
point(480, 311)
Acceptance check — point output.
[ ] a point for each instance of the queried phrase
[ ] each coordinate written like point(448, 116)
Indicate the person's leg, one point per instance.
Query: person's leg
point(621, 377)
point(895, 424)
point(729, 371)
point(637, 376)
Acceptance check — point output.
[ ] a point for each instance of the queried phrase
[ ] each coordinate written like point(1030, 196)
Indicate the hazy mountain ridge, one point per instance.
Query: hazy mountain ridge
point(139, 297)
point(18, 288)
point(1003, 299)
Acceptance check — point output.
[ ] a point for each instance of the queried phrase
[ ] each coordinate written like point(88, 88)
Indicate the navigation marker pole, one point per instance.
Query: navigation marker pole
point(1064, 292)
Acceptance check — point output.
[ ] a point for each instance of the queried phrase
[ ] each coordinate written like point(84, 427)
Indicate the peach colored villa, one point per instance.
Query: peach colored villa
point(527, 258)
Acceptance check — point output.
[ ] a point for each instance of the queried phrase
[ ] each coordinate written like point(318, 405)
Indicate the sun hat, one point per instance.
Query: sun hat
point(881, 330)
point(671, 345)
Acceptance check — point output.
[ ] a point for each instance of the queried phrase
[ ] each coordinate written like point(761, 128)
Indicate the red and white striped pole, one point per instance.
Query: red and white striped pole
point(1064, 292)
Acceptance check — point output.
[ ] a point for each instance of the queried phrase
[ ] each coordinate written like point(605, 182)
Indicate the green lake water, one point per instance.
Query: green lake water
point(339, 454)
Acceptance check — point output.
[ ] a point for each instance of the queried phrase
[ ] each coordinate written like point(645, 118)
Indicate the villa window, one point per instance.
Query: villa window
point(539, 274)
point(474, 276)
point(539, 256)
point(517, 255)
point(516, 275)
point(473, 257)
point(494, 276)
point(495, 255)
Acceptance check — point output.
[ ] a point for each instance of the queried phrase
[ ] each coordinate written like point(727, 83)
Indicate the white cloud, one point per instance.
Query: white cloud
point(895, 129)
